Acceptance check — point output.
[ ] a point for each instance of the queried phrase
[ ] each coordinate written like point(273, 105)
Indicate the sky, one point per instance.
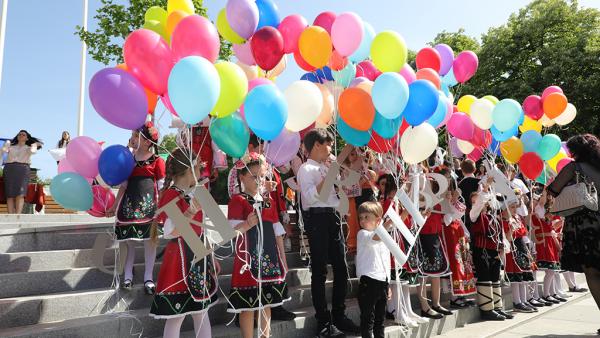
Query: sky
point(40, 80)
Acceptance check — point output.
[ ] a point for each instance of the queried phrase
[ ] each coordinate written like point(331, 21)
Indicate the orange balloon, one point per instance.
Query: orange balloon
point(150, 96)
point(315, 46)
point(337, 62)
point(555, 104)
point(430, 75)
point(356, 109)
point(173, 19)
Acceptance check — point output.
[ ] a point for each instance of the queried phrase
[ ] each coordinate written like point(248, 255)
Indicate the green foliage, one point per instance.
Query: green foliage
point(168, 143)
point(458, 41)
point(115, 22)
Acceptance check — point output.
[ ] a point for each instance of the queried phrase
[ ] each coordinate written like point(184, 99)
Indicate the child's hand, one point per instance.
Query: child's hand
point(388, 224)
point(252, 220)
point(270, 186)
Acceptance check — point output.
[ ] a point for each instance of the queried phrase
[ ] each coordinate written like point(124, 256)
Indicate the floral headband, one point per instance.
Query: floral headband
point(152, 131)
point(248, 158)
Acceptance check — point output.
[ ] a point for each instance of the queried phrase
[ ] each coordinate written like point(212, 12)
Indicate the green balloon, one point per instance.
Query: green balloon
point(345, 76)
point(548, 147)
point(234, 87)
point(158, 28)
point(388, 51)
point(156, 13)
point(72, 191)
point(230, 134)
point(225, 29)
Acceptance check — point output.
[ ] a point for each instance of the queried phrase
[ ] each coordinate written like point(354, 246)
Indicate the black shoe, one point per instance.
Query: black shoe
point(459, 303)
point(492, 315)
point(442, 311)
point(559, 298)
point(279, 313)
point(544, 302)
point(346, 324)
point(576, 289)
point(390, 315)
point(149, 287)
point(535, 303)
point(550, 299)
point(127, 284)
point(533, 307)
point(430, 313)
point(504, 314)
point(328, 330)
point(522, 308)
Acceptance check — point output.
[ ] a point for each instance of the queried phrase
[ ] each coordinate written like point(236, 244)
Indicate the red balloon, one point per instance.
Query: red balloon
point(103, 200)
point(481, 138)
point(302, 63)
point(381, 145)
point(325, 20)
point(367, 69)
point(403, 127)
point(267, 47)
point(532, 106)
point(476, 154)
point(531, 165)
point(429, 58)
point(337, 62)
point(306, 130)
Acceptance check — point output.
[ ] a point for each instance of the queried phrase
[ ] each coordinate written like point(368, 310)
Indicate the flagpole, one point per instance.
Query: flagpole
point(82, 74)
point(2, 35)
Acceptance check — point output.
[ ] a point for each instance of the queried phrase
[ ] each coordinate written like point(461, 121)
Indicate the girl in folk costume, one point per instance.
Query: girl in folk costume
point(259, 269)
point(352, 162)
point(137, 203)
point(184, 287)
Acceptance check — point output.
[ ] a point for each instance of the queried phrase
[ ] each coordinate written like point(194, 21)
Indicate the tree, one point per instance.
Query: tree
point(168, 143)
point(458, 41)
point(115, 22)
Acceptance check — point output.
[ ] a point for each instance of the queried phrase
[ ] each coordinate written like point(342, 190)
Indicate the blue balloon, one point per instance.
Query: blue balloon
point(386, 128)
point(445, 89)
point(390, 94)
point(422, 102)
point(364, 49)
point(506, 114)
point(324, 74)
point(548, 147)
point(522, 118)
point(268, 14)
point(449, 80)
point(440, 112)
point(194, 88)
point(346, 75)
point(72, 191)
point(495, 147)
point(502, 136)
point(351, 135)
point(266, 111)
point(115, 164)
point(230, 134)
point(531, 140)
point(311, 77)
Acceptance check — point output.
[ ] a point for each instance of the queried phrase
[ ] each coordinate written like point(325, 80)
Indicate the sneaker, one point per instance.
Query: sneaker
point(522, 308)
point(492, 315)
point(577, 289)
point(279, 313)
point(346, 324)
point(504, 314)
point(535, 303)
point(328, 330)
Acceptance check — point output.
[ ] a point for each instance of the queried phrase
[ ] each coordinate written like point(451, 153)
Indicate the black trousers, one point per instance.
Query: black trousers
point(372, 299)
point(487, 264)
point(326, 242)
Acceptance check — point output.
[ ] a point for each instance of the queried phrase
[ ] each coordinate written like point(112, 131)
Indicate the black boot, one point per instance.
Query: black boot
point(345, 324)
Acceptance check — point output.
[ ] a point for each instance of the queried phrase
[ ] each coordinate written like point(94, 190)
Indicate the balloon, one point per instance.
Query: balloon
point(119, 98)
point(158, 28)
point(465, 147)
point(418, 143)
point(554, 105)
point(465, 65)
point(530, 124)
point(562, 163)
point(71, 191)
point(150, 96)
point(268, 14)
point(453, 147)
point(547, 122)
point(422, 102)
point(386, 128)
point(475, 155)
point(156, 13)
point(173, 20)
point(461, 126)
point(531, 140)
point(345, 76)
point(266, 111)
point(230, 134)
point(481, 113)
point(304, 102)
point(303, 132)
point(186, 6)
point(567, 116)
point(326, 114)
point(195, 35)
point(242, 15)
point(347, 33)
point(356, 109)
point(548, 147)
point(429, 75)
point(290, 28)
point(103, 199)
point(337, 62)
point(149, 58)
point(234, 87)
point(356, 81)
point(388, 51)
point(531, 165)
point(379, 144)
point(311, 77)
point(495, 147)
point(390, 95)
point(367, 69)
point(244, 53)
point(446, 58)
point(492, 99)
point(550, 90)
point(439, 116)
point(283, 148)
point(83, 153)
point(449, 79)
point(364, 48)
point(267, 47)
point(481, 138)
point(250, 71)
point(325, 20)
point(512, 150)
point(429, 58)
point(408, 74)
point(553, 162)
point(279, 68)
point(532, 106)
point(352, 136)
point(325, 74)
point(315, 46)
point(194, 87)
point(464, 104)
point(504, 135)
point(367, 86)
point(506, 114)
point(115, 164)
point(225, 29)
point(302, 63)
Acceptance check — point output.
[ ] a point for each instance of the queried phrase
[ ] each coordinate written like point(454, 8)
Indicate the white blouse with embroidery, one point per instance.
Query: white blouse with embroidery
point(19, 153)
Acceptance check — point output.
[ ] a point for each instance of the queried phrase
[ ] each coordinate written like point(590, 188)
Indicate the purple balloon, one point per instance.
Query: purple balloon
point(119, 98)
point(461, 126)
point(244, 53)
point(358, 81)
point(408, 73)
point(465, 65)
point(447, 56)
point(83, 154)
point(454, 147)
point(242, 16)
point(283, 148)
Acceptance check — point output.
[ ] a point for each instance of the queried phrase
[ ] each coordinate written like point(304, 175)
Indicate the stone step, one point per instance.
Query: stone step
point(66, 238)
point(30, 221)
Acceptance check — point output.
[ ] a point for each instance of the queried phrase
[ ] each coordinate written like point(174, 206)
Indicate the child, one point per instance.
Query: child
point(137, 203)
point(182, 287)
point(258, 279)
point(352, 162)
point(372, 269)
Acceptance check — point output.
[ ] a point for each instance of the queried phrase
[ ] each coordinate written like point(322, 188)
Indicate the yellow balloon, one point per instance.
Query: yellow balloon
point(234, 88)
point(530, 124)
point(158, 28)
point(464, 104)
point(326, 115)
point(174, 19)
point(156, 13)
point(315, 46)
point(225, 29)
point(512, 150)
point(492, 99)
point(553, 162)
point(186, 6)
point(250, 71)
point(388, 51)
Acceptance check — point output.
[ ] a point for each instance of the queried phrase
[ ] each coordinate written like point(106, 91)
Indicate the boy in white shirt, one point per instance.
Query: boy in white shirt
point(372, 268)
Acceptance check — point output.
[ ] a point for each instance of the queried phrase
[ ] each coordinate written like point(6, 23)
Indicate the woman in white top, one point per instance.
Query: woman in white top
point(16, 169)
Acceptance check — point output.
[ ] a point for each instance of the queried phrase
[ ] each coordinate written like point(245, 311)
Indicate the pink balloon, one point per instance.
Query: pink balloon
point(347, 33)
point(367, 69)
point(550, 90)
point(562, 163)
point(195, 35)
point(476, 154)
point(461, 126)
point(290, 28)
point(244, 53)
point(449, 112)
point(408, 73)
point(103, 200)
point(465, 65)
point(325, 20)
point(283, 148)
point(84, 152)
point(532, 106)
point(149, 58)
point(167, 103)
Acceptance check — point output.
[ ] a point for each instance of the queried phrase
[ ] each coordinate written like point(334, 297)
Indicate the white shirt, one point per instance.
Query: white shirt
point(19, 153)
point(372, 257)
point(517, 183)
point(310, 174)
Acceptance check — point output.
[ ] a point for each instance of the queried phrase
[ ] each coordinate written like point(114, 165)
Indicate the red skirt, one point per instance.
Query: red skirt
point(461, 262)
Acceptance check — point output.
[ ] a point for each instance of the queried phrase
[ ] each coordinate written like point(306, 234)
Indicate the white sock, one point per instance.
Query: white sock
point(548, 281)
point(558, 285)
point(150, 259)
point(516, 292)
point(173, 327)
point(129, 260)
point(202, 327)
point(524, 286)
point(407, 303)
point(570, 278)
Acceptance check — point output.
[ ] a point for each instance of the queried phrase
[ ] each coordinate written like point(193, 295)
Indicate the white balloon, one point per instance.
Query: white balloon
point(465, 146)
point(418, 143)
point(305, 103)
point(481, 113)
point(546, 121)
point(567, 116)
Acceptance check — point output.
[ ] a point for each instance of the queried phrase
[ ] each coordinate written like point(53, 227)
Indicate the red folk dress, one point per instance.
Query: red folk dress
point(518, 266)
point(546, 243)
point(459, 255)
